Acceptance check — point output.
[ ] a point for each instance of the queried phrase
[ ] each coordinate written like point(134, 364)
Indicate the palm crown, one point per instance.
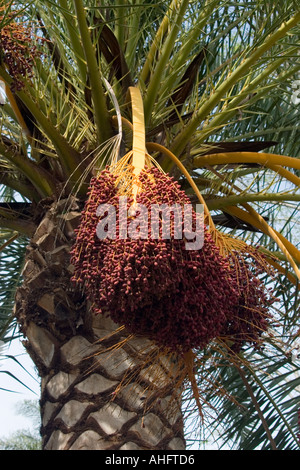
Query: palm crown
point(216, 81)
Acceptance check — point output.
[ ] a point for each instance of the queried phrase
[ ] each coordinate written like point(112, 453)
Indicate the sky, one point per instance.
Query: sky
point(10, 420)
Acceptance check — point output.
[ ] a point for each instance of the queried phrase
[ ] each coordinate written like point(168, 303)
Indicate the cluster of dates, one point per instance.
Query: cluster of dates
point(182, 299)
point(18, 50)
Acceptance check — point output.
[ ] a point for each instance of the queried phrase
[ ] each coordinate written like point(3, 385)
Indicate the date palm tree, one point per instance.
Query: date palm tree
point(209, 87)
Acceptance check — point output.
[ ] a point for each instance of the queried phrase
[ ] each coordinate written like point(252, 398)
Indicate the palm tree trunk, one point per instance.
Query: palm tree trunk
point(99, 388)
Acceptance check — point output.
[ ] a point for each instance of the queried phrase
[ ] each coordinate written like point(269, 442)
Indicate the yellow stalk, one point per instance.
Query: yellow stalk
point(282, 270)
point(138, 144)
point(264, 159)
point(139, 135)
point(288, 175)
point(289, 246)
point(252, 217)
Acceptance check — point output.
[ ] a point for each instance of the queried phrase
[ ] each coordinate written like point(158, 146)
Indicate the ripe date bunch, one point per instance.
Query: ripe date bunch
point(18, 50)
point(182, 299)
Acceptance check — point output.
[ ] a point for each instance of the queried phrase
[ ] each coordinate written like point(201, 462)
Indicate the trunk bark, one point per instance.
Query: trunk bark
point(101, 388)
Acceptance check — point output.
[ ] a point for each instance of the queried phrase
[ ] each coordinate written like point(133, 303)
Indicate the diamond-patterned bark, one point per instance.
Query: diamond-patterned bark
point(94, 395)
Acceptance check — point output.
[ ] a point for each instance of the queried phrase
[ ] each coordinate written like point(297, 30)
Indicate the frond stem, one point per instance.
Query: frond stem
point(101, 114)
point(233, 200)
point(247, 157)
